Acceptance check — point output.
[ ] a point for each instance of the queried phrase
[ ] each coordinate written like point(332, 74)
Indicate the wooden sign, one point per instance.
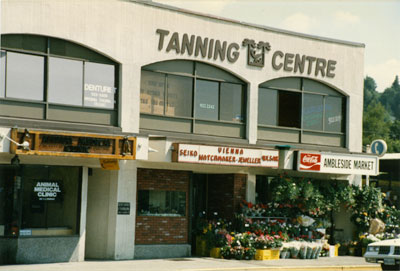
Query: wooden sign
point(109, 164)
point(73, 144)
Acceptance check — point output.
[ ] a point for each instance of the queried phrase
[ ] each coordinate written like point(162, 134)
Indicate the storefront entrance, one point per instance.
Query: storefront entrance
point(214, 196)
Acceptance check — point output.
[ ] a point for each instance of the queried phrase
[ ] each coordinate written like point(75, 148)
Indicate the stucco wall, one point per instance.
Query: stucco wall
point(126, 32)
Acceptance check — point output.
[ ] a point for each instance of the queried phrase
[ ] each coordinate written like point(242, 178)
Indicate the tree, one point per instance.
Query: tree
point(376, 123)
point(390, 98)
point(395, 84)
point(370, 93)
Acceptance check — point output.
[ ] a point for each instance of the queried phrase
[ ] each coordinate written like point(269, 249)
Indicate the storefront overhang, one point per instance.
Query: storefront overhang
point(49, 143)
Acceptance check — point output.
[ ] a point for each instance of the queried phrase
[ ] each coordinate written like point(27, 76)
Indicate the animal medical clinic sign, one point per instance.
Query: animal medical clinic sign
point(338, 163)
point(223, 155)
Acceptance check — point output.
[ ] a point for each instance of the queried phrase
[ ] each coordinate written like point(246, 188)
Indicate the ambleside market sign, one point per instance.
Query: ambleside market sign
point(222, 155)
point(338, 163)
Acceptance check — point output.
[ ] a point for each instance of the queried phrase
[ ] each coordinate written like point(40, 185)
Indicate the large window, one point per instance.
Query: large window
point(161, 203)
point(301, 110)
point(53, 79)
point(39, 200)
point(192, 97)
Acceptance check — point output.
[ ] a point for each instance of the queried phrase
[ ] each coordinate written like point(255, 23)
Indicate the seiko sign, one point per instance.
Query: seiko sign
point(209, 48)
point(222, 155)
point(338, 163)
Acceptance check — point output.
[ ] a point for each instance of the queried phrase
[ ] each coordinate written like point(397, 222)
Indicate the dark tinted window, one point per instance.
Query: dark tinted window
point(65, 80)
point(25, 42)
point(289, 109)
point(50, 199)
point(25, 76)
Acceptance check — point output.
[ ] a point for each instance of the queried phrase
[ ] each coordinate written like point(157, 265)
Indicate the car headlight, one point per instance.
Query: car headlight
point(373, 249)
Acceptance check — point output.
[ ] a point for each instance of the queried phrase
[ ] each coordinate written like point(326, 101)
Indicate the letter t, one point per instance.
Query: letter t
point(162, 33)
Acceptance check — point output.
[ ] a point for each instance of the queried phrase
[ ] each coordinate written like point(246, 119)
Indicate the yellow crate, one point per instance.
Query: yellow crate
point(201, 247)
point(215, 252)
point(267, 254)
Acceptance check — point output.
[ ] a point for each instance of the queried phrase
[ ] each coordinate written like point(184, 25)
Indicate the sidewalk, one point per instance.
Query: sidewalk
point(204, 264)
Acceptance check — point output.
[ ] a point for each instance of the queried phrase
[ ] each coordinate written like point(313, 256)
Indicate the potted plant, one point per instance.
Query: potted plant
point(268, 247)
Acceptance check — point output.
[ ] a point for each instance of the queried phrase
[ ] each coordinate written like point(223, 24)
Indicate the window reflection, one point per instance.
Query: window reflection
point(267, 106)
point(65, 80)
point(152, 93)
point(206, 94)
point(99, 86)
point(161, 203)
point(2, 74)
point(25, 76)
point(313, 111)
point(231, 102)
point(334, 114)
point(179, 96)
point(206, 100)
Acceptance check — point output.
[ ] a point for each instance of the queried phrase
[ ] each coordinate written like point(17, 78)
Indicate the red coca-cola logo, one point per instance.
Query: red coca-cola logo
point(310, 161)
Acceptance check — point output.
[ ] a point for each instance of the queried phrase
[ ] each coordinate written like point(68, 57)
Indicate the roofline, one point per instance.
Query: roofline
point(262, 27)
point(390, 156)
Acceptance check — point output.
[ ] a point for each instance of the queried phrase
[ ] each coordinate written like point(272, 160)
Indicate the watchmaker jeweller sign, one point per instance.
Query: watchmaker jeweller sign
point(223, 155)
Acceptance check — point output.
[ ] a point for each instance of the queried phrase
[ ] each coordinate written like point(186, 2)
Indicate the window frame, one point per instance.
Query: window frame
point(45, 104)
point(195, 77)
point(303, 92)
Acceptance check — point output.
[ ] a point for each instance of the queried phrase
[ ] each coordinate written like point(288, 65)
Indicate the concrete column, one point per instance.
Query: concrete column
point(252, 113)
point(110, 235)
point(125, 224)
point(82, 226)
point(251, 188)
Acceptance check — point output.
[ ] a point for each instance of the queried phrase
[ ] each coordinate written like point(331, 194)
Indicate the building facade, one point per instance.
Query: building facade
point(129, 118)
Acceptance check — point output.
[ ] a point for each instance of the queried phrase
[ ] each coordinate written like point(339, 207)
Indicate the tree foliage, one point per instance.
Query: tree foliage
point(375, 123)
point(382, 114)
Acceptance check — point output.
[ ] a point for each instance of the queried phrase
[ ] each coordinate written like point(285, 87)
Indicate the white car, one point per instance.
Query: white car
point(386, 252)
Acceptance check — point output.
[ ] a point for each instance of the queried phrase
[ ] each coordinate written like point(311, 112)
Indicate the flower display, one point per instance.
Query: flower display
point(297, 218)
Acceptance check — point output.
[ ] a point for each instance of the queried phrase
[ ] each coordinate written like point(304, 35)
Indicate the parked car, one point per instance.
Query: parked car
point(386, 252)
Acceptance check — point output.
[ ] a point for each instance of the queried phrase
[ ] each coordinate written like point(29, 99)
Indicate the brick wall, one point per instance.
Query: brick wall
point(225, 192)
point(239, 190)
point(162, 230)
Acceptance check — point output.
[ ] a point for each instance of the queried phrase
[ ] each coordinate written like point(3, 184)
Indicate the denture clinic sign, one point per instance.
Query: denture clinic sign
point(338, 163)
point(222, 155)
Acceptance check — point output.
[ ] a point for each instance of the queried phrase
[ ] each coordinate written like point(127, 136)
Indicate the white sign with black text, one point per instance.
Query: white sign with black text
point(338, 163)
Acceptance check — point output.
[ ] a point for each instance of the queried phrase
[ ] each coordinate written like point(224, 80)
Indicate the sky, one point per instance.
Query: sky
point(375, 23)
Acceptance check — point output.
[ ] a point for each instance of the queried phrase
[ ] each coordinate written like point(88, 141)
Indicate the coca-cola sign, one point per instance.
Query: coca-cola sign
point(338, 163)
point(309, 161)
